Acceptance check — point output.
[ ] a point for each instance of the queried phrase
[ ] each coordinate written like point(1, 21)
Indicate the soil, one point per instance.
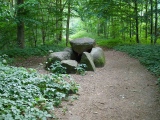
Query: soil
point(122, 90)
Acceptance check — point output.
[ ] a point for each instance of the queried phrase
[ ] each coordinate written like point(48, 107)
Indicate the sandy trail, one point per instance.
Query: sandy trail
point(122, 90)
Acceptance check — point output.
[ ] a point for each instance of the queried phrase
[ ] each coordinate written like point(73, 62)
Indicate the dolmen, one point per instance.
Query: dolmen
point(82, 51)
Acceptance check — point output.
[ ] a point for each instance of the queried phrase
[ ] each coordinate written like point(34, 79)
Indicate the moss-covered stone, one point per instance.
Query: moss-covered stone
point(98, 57)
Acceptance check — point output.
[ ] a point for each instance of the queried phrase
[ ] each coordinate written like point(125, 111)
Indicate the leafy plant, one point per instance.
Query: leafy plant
point(57, 68)
point(4, 59)
point(81, 69)
point(25, 94)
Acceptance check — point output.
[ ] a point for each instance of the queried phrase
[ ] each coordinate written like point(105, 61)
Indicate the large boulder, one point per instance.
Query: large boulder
point(81, 45)
point(73, 55)
point(88, 60)
point(98, 57)
point(57, 56)
point(70, 65)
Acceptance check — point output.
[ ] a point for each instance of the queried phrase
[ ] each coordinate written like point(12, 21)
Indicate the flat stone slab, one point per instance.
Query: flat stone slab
point(81, 45)
point(71, 65)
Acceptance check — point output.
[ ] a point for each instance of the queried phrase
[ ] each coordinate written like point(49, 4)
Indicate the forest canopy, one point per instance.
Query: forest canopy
point(31, 23)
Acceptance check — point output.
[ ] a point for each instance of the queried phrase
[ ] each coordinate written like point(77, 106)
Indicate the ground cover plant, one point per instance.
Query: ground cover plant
point(148, 55)
point(57, 68)
point(81, 69)
point(27, 95)
point(31, 51)
point(110, 43)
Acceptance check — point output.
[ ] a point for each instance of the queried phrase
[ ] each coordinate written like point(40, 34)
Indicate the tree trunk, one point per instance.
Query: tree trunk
point(156, 21)
point(36, 36)
point(151, 29)
point(68, 20)
point(61, 21)
point(105, 31)
point(43, 31)
point(98, 28)
point(59, 12)
point(57, 21)
point(113, 34)
point(136, 16)
point(20, 25)
point(141, 21)
point(146, 20)
point(130, 28)
point(130, 23)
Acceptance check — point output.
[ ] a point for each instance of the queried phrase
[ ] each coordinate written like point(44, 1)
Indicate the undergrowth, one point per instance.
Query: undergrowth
point(58, 68)
point(31, 51)
point(82, 34)
point(27, 95)
point(148, 55)
point(101, 40)
point(109, 43)
point(81, 69)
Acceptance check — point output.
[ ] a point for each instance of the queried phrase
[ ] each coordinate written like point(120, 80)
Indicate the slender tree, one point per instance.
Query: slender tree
point(68, 20)
point(20, 24)
point(59, 19)
point(146, 19)
point(151, 14)
point(156, 21)
point(136, 19)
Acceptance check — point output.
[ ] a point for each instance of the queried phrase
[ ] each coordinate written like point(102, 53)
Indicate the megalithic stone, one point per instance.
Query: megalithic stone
point(81, 45)
point(98, 57)
point(88, 60)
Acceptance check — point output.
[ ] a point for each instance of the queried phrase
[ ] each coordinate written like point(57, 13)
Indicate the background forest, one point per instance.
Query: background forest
point(33, 27)
point(32, 23)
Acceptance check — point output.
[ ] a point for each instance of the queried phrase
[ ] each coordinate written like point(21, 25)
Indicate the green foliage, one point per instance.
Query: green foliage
point(40, 19)
point(27, 95)
point(57, 68)
point(101, 41)
point(81, 69)
point(109, 43)
point(148, 55)
point(43, 21)
point(35, 51)
point(4, 59)
point(82, 34)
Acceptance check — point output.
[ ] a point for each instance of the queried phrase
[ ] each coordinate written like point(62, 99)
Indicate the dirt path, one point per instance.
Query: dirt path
point(122, 90)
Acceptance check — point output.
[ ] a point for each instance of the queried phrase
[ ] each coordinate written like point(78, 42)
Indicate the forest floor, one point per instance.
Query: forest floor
point(122, 90)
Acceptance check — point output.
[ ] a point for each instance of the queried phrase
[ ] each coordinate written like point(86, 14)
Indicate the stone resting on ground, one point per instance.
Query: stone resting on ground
point(82, 51)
